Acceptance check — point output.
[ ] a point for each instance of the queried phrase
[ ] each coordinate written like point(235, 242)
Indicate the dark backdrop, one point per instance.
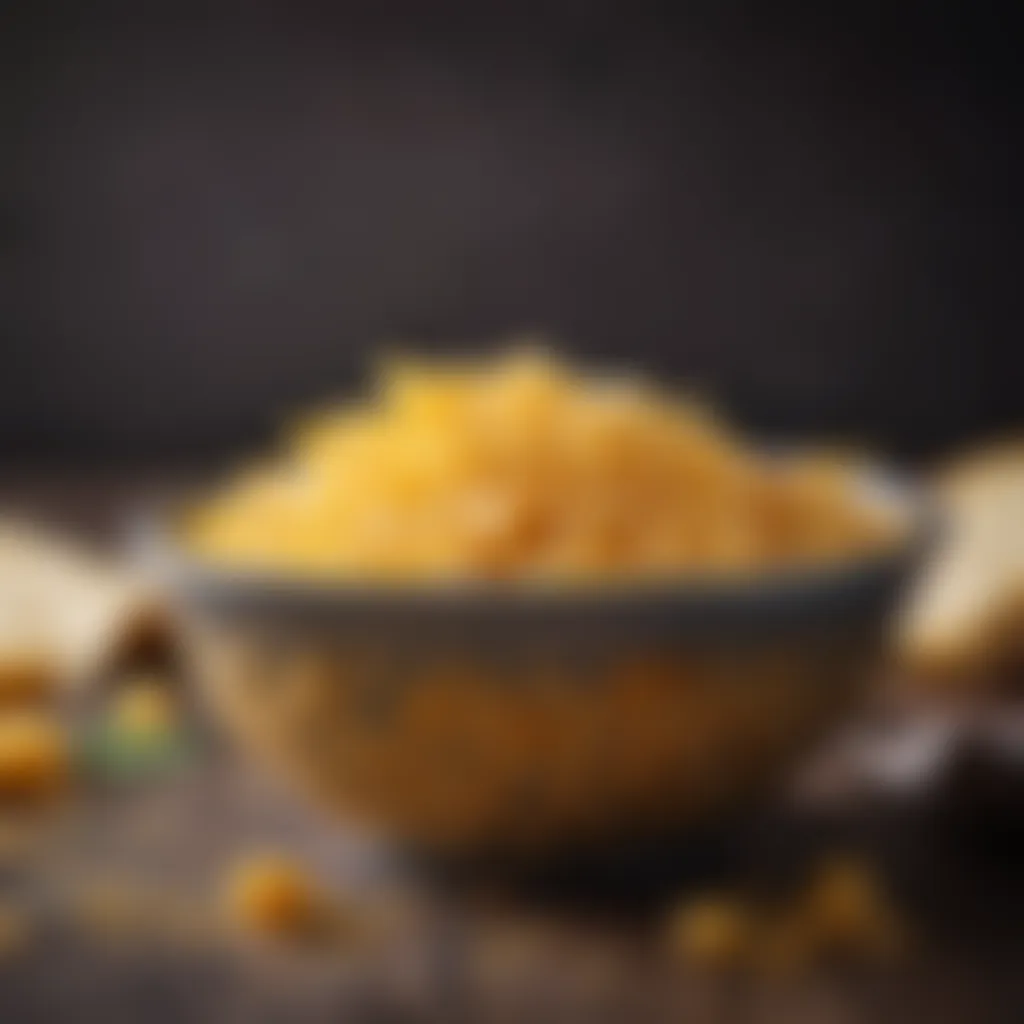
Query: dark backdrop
point(210, 216)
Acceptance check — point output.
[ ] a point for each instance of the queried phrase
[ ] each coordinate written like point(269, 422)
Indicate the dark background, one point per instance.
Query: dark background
point(211, 215)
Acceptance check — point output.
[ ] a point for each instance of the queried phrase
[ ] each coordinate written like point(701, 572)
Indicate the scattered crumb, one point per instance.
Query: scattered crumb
point(269, 894)
point(34, 756)
point(849, 914)
point(840, 914)
point(28, 677)
point(144, 707)
point(15, 931)
point(713, 933)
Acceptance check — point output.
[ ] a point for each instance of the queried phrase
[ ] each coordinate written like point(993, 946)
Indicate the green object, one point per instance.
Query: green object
point(112, 752)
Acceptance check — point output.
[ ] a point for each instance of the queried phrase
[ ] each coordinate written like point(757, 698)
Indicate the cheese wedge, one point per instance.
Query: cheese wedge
point(965, 616)
point(65, 612)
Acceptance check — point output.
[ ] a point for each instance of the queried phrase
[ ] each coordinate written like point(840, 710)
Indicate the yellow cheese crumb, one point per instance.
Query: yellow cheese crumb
point(713, 933)
point(34, 756)
point(848, 914)
point(840, 914)
point(27, 676)
point(15, 931)
point(144, 707)
point(269, 894)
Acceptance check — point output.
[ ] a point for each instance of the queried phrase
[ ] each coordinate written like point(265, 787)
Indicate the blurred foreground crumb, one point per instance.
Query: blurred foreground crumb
point(27, 675)
point(15, 931)
point(847, 912)
point(269, 894)
point(34, 757)
point(713, 933)
point(144, 707)
point(839, 915)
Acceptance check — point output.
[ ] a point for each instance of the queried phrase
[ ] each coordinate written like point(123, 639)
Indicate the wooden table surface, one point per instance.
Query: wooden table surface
point(584, 945)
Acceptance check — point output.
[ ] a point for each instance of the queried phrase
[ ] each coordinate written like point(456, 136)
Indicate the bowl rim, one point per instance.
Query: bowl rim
point(159, 551)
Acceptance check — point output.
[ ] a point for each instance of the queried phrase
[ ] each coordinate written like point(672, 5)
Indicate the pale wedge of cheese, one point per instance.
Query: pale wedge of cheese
point(65, 612)
point(966, 613)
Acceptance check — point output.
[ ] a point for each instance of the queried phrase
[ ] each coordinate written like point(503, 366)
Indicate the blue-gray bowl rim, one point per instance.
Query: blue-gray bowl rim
point(829, 585)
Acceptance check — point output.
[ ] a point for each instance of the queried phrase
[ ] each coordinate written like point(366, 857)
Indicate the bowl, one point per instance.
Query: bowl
point(521, 719)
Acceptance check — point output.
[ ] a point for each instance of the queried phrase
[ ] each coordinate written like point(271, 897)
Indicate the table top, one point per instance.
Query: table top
point(584, 944)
